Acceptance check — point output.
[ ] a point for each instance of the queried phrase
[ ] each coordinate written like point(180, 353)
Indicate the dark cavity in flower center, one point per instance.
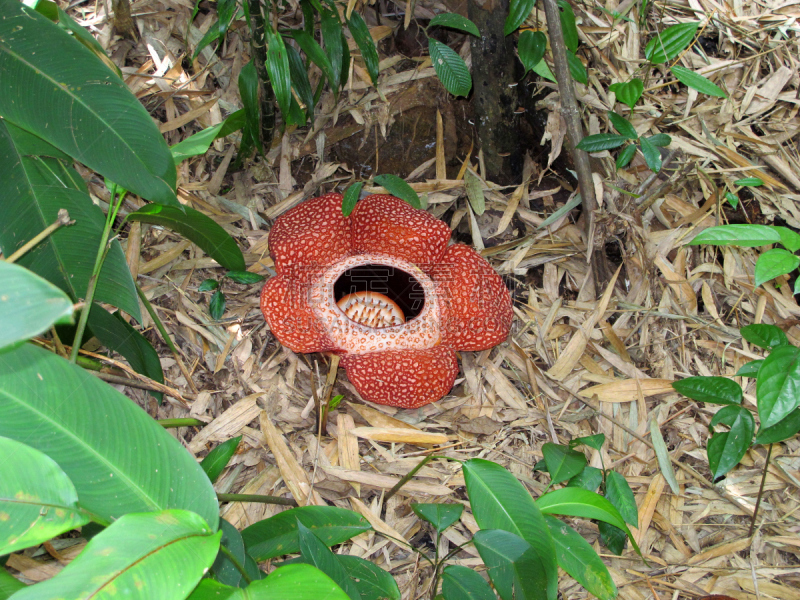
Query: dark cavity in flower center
point(379, 295)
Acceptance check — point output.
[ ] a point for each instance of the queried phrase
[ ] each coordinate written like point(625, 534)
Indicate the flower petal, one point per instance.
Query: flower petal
point(403, 378)
point(382, 223)
point(475, 303)
point(285, 307)
point(311, 235)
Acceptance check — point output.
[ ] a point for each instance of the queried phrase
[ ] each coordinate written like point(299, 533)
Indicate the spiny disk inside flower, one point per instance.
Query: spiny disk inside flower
point(383, 289)
point(371, 309)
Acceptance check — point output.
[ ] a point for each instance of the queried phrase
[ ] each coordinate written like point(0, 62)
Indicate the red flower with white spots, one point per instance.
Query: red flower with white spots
point(382, 289)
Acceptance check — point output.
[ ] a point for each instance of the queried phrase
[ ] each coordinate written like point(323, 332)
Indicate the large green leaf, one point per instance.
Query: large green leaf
point(34, 190)
point(155, 555)
point(499, 501)
point(577, 557)
point(576, 69)
point(249, 86)
point(622, 125)
point(350, 198)
point(514, 567)
point(652, 156)
point(37, 499)
point(578, 502)
point(118, 457)
point(778, 385)
point(116, 334)
point(58, 89)
point(789, 239)
point(292, 582)
point(277, 535)
point(29, 305)
point(197, 227)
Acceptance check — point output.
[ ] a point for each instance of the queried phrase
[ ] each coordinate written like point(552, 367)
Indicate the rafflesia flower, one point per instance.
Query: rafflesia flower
point(382, 289)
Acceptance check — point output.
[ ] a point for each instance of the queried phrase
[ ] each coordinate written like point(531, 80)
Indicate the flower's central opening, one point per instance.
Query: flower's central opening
point(378, 295)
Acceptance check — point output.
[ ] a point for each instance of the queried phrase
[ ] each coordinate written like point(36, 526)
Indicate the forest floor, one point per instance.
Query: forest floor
point(674, 311)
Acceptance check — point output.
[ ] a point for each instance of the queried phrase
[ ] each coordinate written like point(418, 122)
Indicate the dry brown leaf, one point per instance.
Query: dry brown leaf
point(348, 446)
point(397, 434)
point(577, 344)
point(387, 482)
point(228, 424)
point(628, 390)
point(293, 474)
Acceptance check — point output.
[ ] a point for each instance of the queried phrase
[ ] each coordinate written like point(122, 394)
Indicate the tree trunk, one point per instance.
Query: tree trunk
point(494, 99)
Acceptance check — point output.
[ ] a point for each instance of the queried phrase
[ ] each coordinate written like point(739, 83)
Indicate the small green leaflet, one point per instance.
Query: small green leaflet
point(518, 11)
point(697, 81)
point(628, 93)
point(531, 48)
point(455, 21)
point(622, 125)
point(351, 197)
point(670, 43)
point(362, 37)
point(278, 69)
point(601, 141)
point(398, 187)
point(749, 182)
point(450, 68)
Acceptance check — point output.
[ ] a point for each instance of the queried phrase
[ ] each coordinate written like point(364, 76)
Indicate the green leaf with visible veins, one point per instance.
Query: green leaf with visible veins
point(146, 469)
point(74, 101)
point(34, 190)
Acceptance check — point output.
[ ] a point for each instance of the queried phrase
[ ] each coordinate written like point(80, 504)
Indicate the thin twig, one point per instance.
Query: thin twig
point(760, 491)
point(572, 117)
point(256, 498)
point(62, 221)
point(145, 384)
point(405, 479)
point(165, 336)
